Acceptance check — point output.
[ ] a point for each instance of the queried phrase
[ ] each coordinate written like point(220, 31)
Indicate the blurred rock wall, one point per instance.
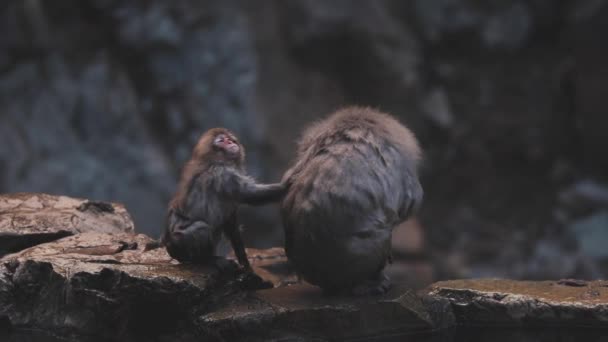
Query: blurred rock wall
point(104, 99)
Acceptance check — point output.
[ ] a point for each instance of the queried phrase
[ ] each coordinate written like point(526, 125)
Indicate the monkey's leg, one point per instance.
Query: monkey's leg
point(249, 280)
point(234, 235)
point(378, 285)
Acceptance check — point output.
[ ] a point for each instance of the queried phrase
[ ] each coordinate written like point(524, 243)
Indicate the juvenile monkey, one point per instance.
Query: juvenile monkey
point(212, 185)
point(355, 178)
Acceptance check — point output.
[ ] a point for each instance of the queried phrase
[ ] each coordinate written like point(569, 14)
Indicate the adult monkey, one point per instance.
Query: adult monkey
point(212, 185)
point(355, 178)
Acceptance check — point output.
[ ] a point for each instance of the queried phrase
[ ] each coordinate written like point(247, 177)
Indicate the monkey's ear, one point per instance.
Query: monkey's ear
point(203, 148)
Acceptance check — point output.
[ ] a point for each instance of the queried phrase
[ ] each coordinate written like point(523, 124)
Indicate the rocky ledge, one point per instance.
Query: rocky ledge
point(496, 302)
point(30, 219)
point(117, 285)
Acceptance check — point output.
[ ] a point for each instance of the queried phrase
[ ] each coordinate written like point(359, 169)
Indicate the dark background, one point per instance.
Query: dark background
point(105, 99)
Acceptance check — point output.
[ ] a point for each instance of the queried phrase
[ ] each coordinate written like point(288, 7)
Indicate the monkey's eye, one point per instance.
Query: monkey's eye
point(226, 143)
point(220, 139)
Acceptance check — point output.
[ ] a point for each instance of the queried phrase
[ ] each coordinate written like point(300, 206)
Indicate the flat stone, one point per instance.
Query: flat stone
point(304, 311)
point(494, 302)
point(28, 219)
point(119, 286)
point(271, 264)
point(109, 285)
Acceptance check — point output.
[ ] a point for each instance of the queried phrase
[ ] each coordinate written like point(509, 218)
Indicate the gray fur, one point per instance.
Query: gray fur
point(354, 180)
point(205, 205)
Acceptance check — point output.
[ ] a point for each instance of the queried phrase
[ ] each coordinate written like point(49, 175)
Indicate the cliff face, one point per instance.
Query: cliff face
point(104, 99)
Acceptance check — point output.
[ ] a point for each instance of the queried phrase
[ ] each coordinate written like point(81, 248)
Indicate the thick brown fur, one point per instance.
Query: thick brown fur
point(212, 185)
point(354, 179)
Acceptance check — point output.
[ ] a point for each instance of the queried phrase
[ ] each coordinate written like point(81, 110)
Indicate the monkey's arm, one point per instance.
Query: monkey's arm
point(253, 193)
point(244, 189)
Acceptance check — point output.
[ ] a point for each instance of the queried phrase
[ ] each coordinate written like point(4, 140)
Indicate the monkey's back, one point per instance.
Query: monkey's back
point(354, 180)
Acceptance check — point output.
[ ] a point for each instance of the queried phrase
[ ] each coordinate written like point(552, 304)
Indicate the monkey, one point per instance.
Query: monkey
point(354, 179)
point(212, 185)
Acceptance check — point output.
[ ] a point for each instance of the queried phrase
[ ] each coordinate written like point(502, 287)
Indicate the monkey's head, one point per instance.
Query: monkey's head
point(219, 144)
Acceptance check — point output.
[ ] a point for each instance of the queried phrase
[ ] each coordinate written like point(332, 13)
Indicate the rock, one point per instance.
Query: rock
point(508, 29)
point(125, 117)
point(30, 219)
point(591, 233)
point(494, 334)
point(495, 302)
point(436, 106)
point(37, 336)
point(271, 264)
point(269, 314)
point(587, 80)
point(108, 285)
point(112, 286)
point(550, 259)
point(5, 325)
point(584, 195)
point(500, 25)
point(323, 35)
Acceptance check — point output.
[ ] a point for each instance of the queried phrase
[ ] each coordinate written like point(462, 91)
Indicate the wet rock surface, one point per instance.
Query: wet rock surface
point(566, 303)
point(115, 285)
point(28, 219)
point(118, 286)
point(304, 311)
point(109, 285)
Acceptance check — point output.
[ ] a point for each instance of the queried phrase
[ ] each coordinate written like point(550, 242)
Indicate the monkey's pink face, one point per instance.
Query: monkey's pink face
point(227, 144)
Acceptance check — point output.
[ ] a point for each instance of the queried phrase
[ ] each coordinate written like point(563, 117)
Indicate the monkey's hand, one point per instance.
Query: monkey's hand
point(245, 278)
point(250, 281)
point(257, 194)
point(224, 265)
